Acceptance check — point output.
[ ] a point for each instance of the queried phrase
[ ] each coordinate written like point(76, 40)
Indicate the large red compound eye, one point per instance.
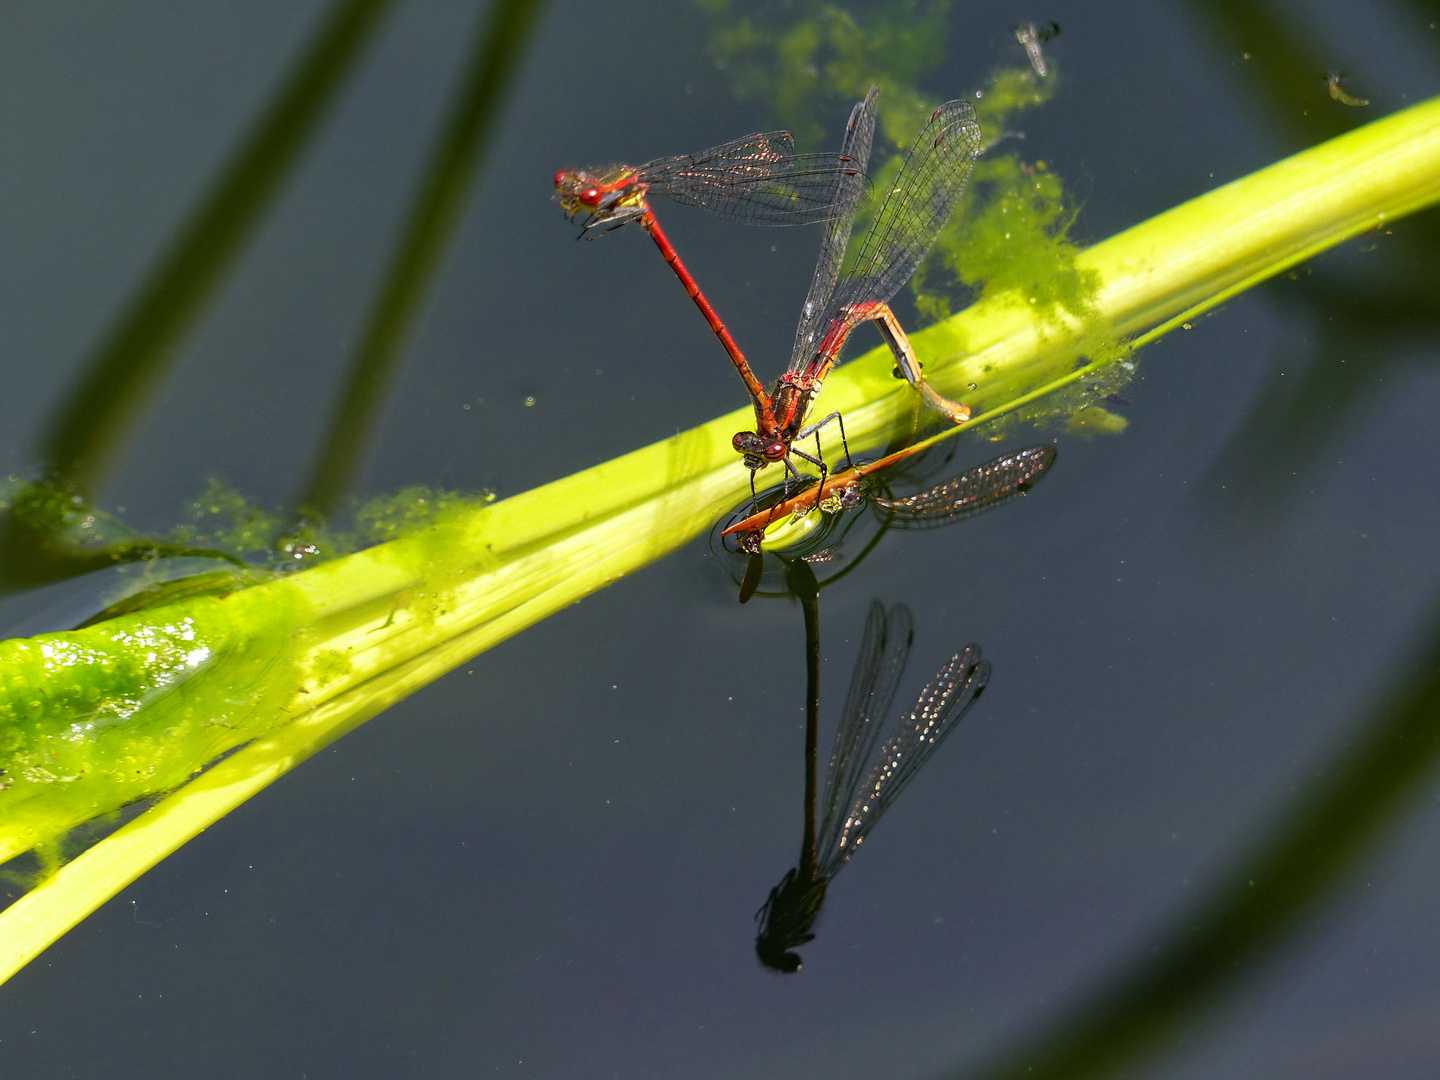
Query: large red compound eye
point(741, 441)
point(590, 196)
point(560, 177)
point(776, 450)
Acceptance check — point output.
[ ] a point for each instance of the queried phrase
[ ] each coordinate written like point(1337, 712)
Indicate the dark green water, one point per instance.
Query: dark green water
point(547, 864)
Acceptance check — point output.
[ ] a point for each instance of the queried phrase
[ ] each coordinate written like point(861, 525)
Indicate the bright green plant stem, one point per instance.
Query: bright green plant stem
point(350, 637)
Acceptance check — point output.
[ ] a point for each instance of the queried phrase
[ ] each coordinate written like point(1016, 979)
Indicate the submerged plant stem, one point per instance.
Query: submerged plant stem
point(363, 631)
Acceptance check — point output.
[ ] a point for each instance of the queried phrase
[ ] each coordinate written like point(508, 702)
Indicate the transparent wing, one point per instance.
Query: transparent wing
point(760, 180)
point(859, 133)
point(939, 709)
point(981, 488)
point(916, 208)
point(883, 652)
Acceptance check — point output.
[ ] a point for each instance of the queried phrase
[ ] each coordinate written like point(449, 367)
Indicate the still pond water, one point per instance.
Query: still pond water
point(548, 863)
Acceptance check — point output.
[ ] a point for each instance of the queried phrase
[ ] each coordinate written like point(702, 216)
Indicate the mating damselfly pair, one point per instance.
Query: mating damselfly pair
point(760, 180)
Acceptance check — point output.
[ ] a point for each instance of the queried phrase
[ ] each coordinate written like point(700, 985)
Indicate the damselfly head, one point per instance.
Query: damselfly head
point(787, 920)
point(606, 200)
point(775, 956)
point(758, 450)
point(578, 192)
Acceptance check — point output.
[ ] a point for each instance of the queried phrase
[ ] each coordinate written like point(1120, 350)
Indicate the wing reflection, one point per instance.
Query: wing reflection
point(862, 782)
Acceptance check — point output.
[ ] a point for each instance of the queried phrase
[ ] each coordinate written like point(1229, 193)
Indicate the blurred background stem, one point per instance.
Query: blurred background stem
point(89, 430)
point(499, 46)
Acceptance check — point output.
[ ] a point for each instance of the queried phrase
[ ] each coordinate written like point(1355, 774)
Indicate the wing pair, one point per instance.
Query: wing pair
point(862, 784)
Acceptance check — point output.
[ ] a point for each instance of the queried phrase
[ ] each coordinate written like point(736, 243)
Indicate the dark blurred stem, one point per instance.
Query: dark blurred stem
point(1336, 823)
point(495, 57)
point(806, 589)
point(86, 436)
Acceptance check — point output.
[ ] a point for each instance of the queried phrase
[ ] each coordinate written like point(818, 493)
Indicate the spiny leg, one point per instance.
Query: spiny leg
point(824, 469)
point(792, 471)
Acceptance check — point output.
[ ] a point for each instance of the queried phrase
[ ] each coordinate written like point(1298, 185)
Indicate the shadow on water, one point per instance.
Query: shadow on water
point(861, 783)
point(48, 529)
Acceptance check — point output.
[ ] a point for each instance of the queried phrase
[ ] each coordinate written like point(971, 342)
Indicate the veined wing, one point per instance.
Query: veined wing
point(981, 488)
point(883, 652)
point(760, 180)
point(859, 133)
point(939, 709)
point(916, 208)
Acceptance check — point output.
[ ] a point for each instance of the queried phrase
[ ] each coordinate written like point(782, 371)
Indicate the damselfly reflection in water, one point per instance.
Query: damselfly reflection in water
point(861, 783)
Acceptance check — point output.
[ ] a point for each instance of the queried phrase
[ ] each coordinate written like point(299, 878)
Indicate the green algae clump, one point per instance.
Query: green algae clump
point(94, 719)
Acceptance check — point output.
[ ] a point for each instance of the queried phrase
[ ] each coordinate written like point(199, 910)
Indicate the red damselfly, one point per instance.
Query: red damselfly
point(757, 180)
point(862, 783)
point(973, 491)
point(918, 204)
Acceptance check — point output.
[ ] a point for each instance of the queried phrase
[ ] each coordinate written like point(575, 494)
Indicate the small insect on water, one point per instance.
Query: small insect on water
point(1333, 83)
point(1034, 35)
point(862, 783)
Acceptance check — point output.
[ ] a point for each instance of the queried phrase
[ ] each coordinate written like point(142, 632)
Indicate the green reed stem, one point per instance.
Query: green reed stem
point(350, 637)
